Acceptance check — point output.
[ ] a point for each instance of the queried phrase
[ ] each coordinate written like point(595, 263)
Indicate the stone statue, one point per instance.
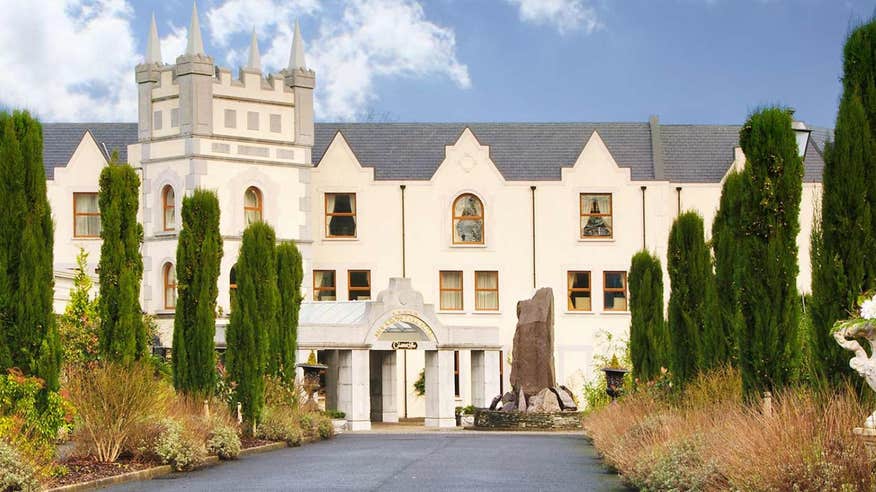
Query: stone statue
point(847, 336)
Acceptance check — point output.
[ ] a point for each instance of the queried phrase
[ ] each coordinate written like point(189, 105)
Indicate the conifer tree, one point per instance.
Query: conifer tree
point(198, 257)
point(843, 242)
point(254, 318)
point(28, 334)
point(649, 338)
point(725, 239)
point(123, 335)
point(289, 276)
point(770, 210)
point(692, 332)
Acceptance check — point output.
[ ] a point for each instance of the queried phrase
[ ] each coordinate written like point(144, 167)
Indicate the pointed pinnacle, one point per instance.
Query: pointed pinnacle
point(153, 45)
point(195, 45)
point(296, 57)
point(255, 59)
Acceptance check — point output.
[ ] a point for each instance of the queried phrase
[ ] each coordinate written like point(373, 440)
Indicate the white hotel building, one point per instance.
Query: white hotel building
point(424, 232)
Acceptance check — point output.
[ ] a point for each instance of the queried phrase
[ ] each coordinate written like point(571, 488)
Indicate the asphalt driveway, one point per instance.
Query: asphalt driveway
point(422, 461)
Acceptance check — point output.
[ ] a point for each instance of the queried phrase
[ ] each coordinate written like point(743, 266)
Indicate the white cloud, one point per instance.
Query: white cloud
point(69, 60)
point(562, 15)
point(78, 60)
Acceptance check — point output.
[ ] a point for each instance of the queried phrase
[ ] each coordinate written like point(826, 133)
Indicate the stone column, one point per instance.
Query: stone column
point(491, 375)
point(353, 398)
point(439, 389)
point(478, 398)
point(388, 385)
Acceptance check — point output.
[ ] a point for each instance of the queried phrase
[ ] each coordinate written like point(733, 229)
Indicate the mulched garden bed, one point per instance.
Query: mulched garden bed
point(85, 469)
point(251, 442)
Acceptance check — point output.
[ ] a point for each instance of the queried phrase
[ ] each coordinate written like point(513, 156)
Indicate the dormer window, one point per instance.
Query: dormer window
point(468, 220)
point(340, 215)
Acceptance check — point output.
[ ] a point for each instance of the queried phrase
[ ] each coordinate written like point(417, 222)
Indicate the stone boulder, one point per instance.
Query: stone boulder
point(544, 402)
point(564, 395)
point(532, 367)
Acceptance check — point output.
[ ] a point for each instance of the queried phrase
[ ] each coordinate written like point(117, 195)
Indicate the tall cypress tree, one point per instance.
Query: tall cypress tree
point(289, 276)
point(770, 214)
point(649, 338)
point(28, 335)
point(692, 331)
point(123, 335)
point(839, 243)
point(198, 256)
point(725, 239)
point(254, 318)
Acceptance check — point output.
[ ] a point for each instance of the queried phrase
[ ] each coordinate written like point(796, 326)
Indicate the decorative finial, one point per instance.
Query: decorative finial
point(296, 57)
point(255, 59)
point(196, 44)
point(153, 45)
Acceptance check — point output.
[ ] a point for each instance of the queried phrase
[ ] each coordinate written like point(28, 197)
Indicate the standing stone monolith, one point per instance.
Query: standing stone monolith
point(532, 367)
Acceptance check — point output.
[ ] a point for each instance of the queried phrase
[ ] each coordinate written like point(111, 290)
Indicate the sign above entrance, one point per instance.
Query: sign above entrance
point(404, 345)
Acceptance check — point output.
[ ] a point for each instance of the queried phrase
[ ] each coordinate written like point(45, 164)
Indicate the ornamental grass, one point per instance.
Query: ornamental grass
point(708, 438)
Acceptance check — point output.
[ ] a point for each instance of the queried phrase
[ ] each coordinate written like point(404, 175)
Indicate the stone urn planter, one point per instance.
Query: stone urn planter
point(614, 379)
point(340, 425)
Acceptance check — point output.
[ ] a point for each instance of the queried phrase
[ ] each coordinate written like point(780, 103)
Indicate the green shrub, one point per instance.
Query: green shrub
point(679, 467)
point(224, 442)
point(420, 384)
point(279, 393)
point(280, 425)
point(113, 402)
point(335, 414)
point(79, 326)
point(307, 424)
point(15, 472)
point(324, 427)
point(178, 448)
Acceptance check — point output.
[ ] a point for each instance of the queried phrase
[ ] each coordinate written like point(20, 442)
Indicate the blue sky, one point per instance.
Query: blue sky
point(688, 61)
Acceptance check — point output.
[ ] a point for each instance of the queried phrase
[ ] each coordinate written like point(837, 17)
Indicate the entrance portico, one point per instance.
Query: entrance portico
point(360, 340)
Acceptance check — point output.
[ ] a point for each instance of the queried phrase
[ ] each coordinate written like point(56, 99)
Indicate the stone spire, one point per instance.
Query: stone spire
point(296, 57)
point(153, 45)
point(255, 59)
point(196, 44)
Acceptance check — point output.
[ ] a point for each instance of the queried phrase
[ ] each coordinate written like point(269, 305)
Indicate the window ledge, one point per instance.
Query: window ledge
point(165, 313)
point(340, 239)
point(82, 238)
point(596, 240)
point(452, 312)
point(165, 234)
point(466, 246)
point(616, 313)
point(498, 313)
point(580, 313)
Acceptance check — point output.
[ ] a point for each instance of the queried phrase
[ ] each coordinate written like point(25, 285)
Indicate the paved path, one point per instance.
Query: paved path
point(425, 461)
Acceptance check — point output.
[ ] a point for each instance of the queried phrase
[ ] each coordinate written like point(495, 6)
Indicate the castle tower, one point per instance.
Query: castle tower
point(248, 136)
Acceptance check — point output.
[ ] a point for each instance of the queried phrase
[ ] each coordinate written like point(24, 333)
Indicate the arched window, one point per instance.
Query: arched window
point(232, 286)
point(168, 204)
point(468, 220)
point(169, 286)
point(252, 205)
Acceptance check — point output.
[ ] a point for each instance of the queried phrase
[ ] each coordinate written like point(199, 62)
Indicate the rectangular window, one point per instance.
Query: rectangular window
point(579, 291)
point(156, 120)
point(615, 288)
point(456, 373)
point(450, 287)
point(230, 118)
point(596, 218)
point(324, 285)
point(276, 125)
point(487, 291)
point(86, 215)
point(174, 118)
point(359, 285)
point(340, 215)
point(252, 120)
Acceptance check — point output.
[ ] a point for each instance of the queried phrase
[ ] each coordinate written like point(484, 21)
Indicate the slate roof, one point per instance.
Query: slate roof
point(521, 151)
point(60, 141)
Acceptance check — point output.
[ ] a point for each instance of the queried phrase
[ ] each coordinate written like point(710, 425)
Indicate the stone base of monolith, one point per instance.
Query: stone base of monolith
point(868, 437)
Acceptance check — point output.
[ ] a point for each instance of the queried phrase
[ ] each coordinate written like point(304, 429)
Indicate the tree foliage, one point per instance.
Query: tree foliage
point(123, 336)
point(770, 214)
point(725, 244)
point(254, 318)
point(695, 345)
point(649, 338)
point(28, 335)
point(79, 326)
point(289, 276)
point(198, 257)
point(843, 241)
